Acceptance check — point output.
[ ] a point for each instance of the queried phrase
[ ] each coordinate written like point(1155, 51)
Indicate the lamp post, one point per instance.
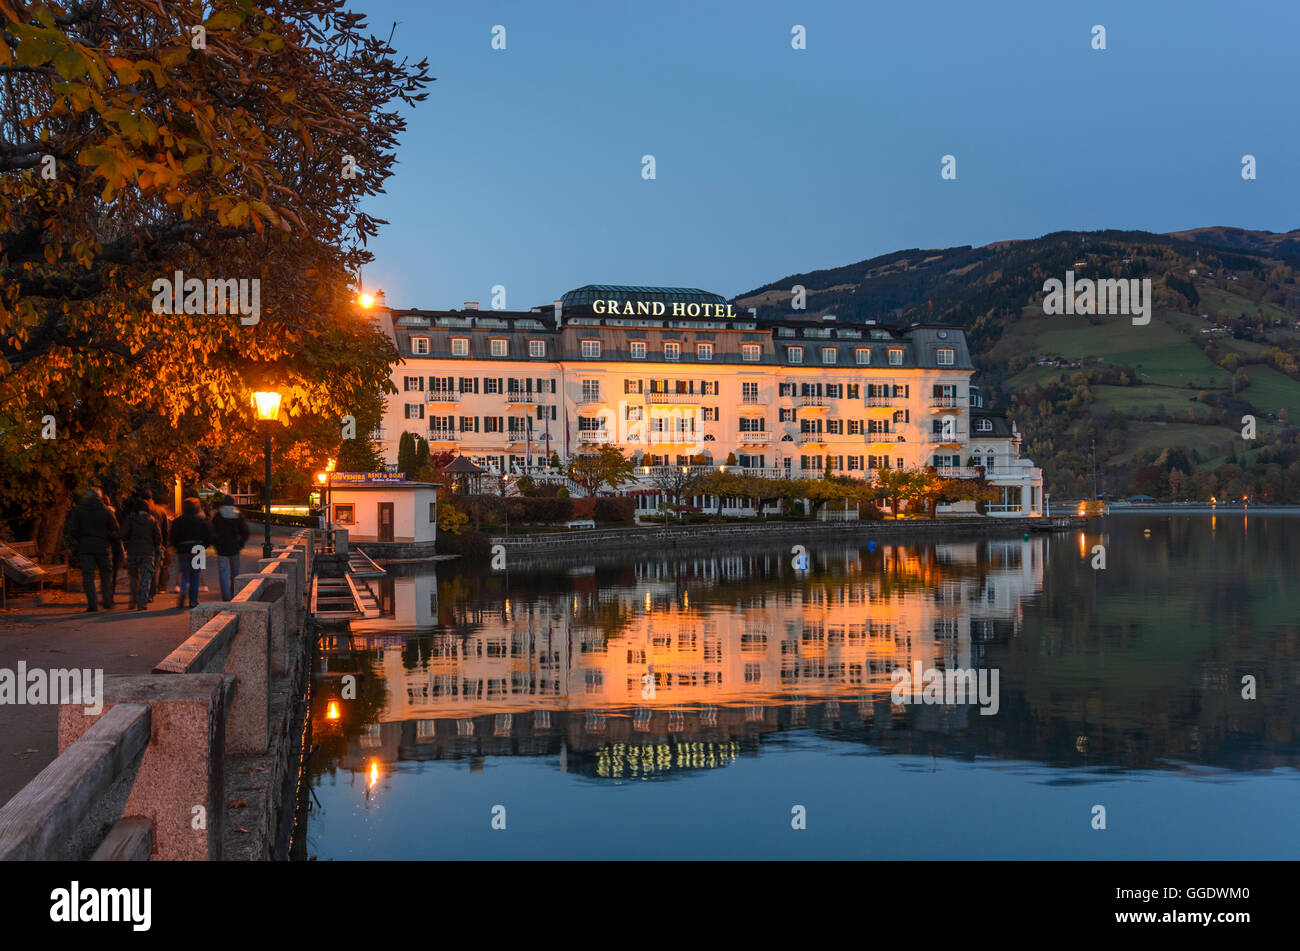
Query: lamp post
point(267, 404)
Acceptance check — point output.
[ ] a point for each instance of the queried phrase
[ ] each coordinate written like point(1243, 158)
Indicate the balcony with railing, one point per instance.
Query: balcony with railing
point(678, 399)
point(950, 438)
point(755, 399)
point(441, 434)
point(755, 437)
point(879, 402)
point(811, 401)
point(944, 402)
point(441, 396)
point(521, 396)
point(675, 437)
point(586, 398)
point(810, 438)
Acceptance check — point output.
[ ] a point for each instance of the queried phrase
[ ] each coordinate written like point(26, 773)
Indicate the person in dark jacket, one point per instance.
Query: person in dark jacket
point(162, 569)
point(188, 531)
point(117, 554)
point(229, 533)
point(95, 530)
point(142, 539)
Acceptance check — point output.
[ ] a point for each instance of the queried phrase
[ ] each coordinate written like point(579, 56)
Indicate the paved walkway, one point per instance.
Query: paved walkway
point(59, 633)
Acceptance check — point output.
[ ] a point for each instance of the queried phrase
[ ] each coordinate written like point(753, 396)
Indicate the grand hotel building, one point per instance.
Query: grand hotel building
point(677, 377)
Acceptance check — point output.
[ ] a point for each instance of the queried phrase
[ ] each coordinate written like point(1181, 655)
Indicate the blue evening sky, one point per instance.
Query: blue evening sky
point(523, 167)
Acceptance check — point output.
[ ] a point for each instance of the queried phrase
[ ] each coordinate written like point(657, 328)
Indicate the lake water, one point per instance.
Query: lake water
point(694, 705)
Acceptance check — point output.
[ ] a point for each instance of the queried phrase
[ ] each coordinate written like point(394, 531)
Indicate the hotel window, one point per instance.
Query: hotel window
point(853, 392)
point(344, 514)
point(786, 415)
point(704, 351)
point(877, 425)
point(469, 424)
point(709, 387)
point(835, 427)
point(710, 414)
point(491, 384)
point(459, 347)
point(590, 349)
point(497, 348)
point(828, 354)
point(672, 351)
point(633, 413)
point(756, 425)
point(420, 345)
point(862, 355)
point(633, 386)
point(984, 425)
point(412, 383)
point(835, 391)
point(835, 463)
point(855, 463)
point(415, 411)
point(750, 352)
point(749, 392)
point(469, 384)
point(537, 348)
point(591, 389)
point(787, 389)
point(637, 348)
point(945, 356)
point(895, 357)
point(855, 427)
point(794, 354)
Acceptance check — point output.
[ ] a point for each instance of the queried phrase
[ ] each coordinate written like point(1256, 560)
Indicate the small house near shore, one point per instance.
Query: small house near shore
point(389, 516)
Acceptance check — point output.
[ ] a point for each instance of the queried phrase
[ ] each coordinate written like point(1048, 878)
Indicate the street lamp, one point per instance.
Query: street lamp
point(267, 405)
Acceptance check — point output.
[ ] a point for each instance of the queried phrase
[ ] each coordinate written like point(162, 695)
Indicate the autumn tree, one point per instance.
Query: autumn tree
point(604, 466)
point(151, 142)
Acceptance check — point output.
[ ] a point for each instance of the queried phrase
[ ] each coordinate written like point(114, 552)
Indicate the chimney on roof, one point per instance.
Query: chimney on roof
point(558, 308)
point(471, 305)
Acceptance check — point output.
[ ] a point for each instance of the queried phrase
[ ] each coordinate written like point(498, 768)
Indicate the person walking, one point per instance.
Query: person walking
point(189, 529)
point(117, 554)
point(229, 533)
point(153, 498)
point(142, 539)
point(95, 531)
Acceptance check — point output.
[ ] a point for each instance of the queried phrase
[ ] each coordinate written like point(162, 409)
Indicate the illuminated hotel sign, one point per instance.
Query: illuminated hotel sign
point(657, 308)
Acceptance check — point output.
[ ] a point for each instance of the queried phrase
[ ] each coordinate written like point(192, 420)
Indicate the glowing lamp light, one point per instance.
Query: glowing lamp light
point(329, 466)
point(332, 711)
point(320, 477)
point(374, 773)
point(366, 301)
point(267, 404)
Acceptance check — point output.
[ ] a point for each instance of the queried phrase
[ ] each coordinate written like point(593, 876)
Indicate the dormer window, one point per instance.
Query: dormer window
point(420, 345)
point(895, 357)
point(794, 354)
point(497, 347)
point(945, 356)
point(984, 425)
point(828, 354)
point(459, 347)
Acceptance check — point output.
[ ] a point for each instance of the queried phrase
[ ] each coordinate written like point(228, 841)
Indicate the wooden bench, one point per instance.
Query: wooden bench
point(21, 568)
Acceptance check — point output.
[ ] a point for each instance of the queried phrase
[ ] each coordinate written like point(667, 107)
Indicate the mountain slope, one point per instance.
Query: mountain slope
point(1223, 342)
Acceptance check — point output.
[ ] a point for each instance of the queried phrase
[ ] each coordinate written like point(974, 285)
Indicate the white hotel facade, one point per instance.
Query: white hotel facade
point(675, 377)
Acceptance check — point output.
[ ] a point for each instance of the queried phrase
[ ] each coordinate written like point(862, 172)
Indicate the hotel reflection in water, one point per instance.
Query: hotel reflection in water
point(681, 662)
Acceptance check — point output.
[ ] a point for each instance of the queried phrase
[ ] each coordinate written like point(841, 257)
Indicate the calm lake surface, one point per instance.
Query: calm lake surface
point(681, 705)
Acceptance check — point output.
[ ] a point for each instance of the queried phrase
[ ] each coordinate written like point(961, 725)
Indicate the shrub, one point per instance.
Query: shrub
point(584, 508)
point(614, 509)
point(562, 493)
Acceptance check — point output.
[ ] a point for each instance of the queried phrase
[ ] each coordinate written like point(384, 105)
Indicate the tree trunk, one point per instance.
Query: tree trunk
point(48, 530)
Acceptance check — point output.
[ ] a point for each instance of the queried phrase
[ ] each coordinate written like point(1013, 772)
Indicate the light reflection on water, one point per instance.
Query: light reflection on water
point(680, 705)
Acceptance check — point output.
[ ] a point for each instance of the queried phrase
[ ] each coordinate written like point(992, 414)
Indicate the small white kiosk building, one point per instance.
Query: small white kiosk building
point(390, 517)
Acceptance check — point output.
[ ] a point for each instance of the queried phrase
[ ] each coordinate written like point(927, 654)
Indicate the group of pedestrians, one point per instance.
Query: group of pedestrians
point(141, 538)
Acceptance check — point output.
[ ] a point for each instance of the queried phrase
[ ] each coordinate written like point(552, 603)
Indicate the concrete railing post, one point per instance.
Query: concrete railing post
point(249, 659)
point(180, 784)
